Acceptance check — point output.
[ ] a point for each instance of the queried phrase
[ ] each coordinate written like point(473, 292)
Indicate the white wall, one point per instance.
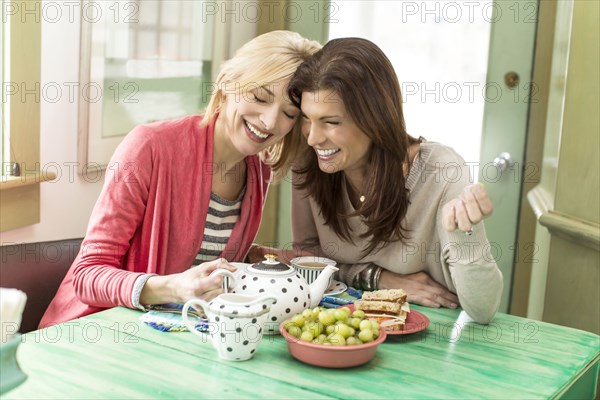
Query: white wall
point(67, 202)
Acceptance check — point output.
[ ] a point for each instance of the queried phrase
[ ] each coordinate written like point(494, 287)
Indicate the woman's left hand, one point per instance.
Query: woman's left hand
point(469, 208)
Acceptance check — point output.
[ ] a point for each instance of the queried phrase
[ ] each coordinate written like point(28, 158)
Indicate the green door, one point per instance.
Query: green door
point(509, 91)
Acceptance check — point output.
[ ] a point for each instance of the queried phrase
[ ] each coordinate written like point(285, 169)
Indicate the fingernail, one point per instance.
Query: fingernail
point(453, 305)
point(480, 187)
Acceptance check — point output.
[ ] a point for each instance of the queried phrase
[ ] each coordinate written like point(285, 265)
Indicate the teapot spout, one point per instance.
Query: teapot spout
point(320, 285)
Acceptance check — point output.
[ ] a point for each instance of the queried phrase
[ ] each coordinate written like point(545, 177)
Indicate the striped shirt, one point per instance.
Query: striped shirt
point(221, 218)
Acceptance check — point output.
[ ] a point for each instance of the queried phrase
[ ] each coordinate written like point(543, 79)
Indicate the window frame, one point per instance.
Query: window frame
point(21, 58)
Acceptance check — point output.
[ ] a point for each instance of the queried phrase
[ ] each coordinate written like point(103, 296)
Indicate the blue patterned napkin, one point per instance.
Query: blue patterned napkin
point(167, 318)
point(342, 299)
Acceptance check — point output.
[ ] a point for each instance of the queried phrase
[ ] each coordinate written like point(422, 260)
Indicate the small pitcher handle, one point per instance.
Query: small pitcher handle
point(186, 320)
point(229, 274)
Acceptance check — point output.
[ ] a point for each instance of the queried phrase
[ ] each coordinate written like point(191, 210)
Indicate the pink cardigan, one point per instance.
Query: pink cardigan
point(150, 216)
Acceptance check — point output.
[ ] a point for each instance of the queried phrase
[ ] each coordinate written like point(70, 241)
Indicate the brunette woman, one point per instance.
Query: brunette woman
point(385, 205)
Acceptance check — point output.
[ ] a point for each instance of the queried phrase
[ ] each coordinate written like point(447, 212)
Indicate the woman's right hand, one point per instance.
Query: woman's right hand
point(192, 283)
point(420, 289)
point(196, 282)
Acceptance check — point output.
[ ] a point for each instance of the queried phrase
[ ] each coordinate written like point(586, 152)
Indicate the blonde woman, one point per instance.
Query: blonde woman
point(189, 191)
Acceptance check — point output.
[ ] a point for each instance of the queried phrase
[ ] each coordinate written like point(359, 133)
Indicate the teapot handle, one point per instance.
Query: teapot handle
point(190, 325)
point(228, 274)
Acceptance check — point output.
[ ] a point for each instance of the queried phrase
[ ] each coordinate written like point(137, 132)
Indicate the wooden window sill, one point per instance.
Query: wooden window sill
point(12, 182)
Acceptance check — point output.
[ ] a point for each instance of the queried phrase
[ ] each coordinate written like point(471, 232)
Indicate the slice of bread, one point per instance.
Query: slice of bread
point(382, 306)
point(388, 322)
point(405, 309)
point(390, 295)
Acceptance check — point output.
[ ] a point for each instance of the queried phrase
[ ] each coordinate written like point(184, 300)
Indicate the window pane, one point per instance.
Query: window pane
point(153, 66)
point(439, 50)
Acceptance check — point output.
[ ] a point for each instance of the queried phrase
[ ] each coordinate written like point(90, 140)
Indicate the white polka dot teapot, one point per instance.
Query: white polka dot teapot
point(274, 277)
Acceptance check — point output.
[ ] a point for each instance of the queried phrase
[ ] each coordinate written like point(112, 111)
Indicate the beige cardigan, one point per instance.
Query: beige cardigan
point(462, 263)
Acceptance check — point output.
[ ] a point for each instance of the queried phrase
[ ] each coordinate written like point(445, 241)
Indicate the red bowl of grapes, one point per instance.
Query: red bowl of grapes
point(332, 338)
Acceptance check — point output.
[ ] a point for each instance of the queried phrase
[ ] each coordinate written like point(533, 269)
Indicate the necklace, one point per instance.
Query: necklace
point(354, 195)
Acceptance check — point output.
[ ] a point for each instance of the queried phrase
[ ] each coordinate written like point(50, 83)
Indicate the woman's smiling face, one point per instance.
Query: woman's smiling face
point(339, 143)
point(260, 117)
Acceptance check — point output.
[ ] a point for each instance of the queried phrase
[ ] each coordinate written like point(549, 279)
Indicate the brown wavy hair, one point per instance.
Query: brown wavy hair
point(360, 73)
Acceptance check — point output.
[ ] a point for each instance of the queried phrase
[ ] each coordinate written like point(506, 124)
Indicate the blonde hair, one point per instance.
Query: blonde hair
point(268, 58)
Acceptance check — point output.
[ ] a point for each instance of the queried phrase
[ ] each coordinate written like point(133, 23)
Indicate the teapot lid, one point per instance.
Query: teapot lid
point(270, 264)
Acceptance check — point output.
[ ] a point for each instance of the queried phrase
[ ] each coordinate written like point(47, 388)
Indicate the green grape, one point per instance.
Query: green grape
point(306, 336)
point(321, 338)
point(374, 325)
point(344, 330)
point(366, 335)
point(346, 310)
point(375, 328)
point(294, 331)
point(359, 314)
point(288, 324)
point(306, 326)
point(298, 320)
point(365, 324)
point(351, 341)
point(326, 318)
point(315, 312)
point(340, 315)
point(355, 322)
point(307, 314)
point(337, 340)
point(330, 329)
point(316, 328)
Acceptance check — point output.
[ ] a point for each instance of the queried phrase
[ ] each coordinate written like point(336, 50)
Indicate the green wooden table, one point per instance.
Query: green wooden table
point(113, 355)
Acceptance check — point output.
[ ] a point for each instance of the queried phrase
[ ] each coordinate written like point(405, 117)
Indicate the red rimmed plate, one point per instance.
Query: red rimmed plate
point(415, 322)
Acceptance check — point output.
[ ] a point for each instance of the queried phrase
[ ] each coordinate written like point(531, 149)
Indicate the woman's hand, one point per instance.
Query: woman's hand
point(420, 289)
point(469, 208)
point(196, 283)
point(192, 283)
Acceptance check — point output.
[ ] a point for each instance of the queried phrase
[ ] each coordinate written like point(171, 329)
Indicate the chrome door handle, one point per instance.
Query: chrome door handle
point(503, 162)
